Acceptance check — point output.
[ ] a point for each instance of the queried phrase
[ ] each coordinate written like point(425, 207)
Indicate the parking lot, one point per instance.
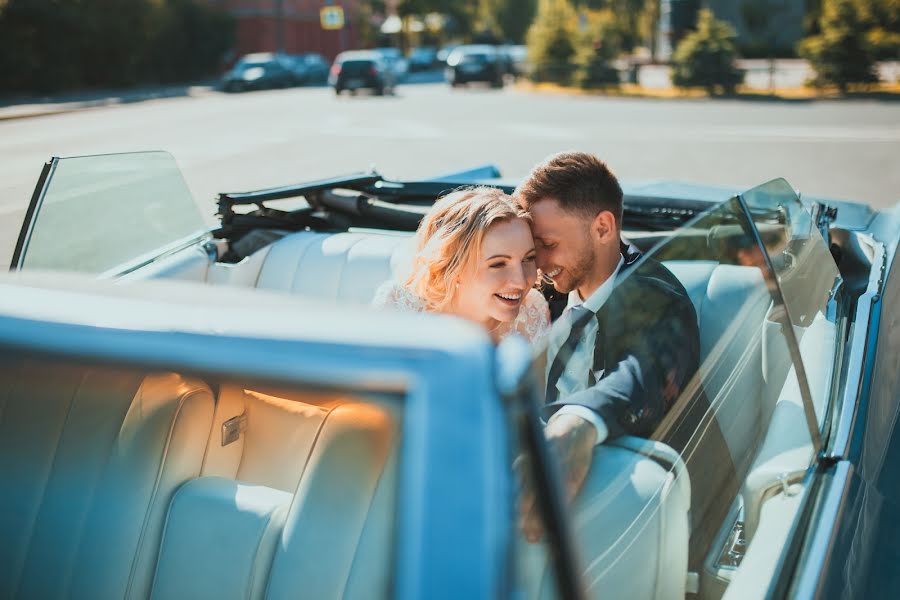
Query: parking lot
point(229, 142)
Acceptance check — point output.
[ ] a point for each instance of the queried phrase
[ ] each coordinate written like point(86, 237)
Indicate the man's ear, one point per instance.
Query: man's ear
point(604, 227)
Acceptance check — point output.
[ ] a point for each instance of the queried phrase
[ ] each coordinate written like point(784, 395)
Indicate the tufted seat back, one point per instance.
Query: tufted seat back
point(731, 303)
point(89, 460)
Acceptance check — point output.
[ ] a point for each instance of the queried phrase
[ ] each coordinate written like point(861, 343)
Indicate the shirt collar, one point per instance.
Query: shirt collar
point(596, 300)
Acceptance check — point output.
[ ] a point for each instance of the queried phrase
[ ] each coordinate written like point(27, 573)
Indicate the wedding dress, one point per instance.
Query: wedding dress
point(533, 321)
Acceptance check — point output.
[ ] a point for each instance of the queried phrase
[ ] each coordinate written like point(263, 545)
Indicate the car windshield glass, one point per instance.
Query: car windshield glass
point(357, 66)
point(683, 367)
point(807, 277)
point(100, 213)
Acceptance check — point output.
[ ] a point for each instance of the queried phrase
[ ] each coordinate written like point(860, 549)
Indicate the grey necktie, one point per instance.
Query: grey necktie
point(580, 317)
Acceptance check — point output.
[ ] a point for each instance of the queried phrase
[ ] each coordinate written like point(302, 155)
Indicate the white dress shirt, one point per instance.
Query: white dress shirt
point(576, 376)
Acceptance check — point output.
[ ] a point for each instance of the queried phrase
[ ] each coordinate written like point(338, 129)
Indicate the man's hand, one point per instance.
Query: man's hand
point(571, 440)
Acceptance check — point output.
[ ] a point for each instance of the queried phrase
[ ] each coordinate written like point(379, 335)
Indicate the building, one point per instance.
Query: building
point(779, 23)
point(300, 30)
point(760, 24)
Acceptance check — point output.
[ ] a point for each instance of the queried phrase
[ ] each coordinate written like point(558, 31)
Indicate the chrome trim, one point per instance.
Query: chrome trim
point(32, 215)
point(862, 336)
point(154, 255)
point(808, 573)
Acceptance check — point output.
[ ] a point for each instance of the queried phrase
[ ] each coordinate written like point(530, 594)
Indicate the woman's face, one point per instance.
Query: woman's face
point(492, 286)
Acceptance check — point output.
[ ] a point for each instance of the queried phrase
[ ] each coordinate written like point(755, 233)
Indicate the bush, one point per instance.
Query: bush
point(598, 46)
point(705, 57)
point(841, 54)
point(552, 41)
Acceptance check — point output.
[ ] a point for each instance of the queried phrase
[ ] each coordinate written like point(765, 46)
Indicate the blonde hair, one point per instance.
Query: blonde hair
point(449, 237)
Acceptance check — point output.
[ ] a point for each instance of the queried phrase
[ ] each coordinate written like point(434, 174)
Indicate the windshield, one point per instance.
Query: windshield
point(808, 279)
point(688, 366)
point(98, 213)
point(250, 65)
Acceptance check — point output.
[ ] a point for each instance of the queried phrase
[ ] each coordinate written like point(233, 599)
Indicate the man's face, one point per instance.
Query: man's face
point(562, 239)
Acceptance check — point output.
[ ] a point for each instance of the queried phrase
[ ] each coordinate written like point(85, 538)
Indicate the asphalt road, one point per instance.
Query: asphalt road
point(843, 149)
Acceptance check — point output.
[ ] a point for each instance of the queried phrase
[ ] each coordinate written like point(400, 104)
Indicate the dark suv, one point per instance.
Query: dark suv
point(476, 63)
point(259, 71)
point(360, 70)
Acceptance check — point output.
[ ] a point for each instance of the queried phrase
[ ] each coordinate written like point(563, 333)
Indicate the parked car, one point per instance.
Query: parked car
point(444, 53)
point(259, 71)
point(395, 61)
point(516, 57)
point(219, 413)
point(357, 70)
point(476, 63)
point(309, 68)
point(423, 58)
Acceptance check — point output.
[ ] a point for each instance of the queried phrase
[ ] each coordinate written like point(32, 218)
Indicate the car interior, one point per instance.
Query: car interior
point(294, 489)
point(134, 484)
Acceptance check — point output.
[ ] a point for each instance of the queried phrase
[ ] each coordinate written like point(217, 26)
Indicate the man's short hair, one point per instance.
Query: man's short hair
point(579, 181)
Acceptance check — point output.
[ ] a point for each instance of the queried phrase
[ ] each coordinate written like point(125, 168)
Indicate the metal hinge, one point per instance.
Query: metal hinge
point(233, 428)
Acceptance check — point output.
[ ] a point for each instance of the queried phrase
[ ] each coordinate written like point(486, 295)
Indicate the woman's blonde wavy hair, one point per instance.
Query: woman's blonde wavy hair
point(450, 236)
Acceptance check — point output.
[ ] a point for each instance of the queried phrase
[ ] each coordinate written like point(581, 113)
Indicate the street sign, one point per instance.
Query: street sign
point(332, 17)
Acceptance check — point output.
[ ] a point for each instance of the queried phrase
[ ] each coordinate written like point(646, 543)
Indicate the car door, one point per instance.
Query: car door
point(107, 214)
point(442, 529)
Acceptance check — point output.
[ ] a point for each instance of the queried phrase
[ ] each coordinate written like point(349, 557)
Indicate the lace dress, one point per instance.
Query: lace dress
point(533, 321)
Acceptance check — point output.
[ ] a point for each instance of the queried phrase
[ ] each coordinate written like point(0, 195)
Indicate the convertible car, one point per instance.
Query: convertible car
point(195, 413)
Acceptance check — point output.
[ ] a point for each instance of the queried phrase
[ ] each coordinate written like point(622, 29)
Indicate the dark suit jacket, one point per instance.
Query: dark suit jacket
point(645, 382)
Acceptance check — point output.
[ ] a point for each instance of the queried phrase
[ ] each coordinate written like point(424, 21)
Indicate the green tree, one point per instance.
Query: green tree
point(882, 22)
point(514, 18)
point(551, 41)
point(705, 57)
point(841, 55)
point(599, 43)
point(51, 45)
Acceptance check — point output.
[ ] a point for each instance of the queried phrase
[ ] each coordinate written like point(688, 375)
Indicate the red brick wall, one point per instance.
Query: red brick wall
point(256, 26)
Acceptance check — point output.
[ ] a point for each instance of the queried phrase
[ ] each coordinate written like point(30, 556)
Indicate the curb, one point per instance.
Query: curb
point(626, 90)
point(38, 109)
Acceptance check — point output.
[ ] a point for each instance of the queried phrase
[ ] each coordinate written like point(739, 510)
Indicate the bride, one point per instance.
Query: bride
point(474, 258)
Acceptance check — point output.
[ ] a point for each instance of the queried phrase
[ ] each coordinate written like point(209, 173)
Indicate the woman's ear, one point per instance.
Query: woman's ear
point(604, 226)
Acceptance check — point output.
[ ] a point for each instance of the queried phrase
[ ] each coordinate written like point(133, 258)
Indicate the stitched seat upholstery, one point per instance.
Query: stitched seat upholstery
point(89, 460)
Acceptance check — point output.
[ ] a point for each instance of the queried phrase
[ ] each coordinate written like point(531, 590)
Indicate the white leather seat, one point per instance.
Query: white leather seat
point(329, 538)
point(337, 537)
point(731, 303)
point(219, 541)
point(630, 524)
point(89, 460)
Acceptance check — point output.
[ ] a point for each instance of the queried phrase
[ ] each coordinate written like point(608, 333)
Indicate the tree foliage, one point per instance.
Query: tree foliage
point(50, 45)
point(599, 43)
point(552, 41)
point(841, 54)
point(705, 57)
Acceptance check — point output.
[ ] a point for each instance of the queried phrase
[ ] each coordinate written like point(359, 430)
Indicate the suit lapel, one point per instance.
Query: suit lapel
point(611, 317)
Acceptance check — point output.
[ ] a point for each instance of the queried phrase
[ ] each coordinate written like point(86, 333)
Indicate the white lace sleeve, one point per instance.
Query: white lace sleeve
point(392, 295)
point(533, 321)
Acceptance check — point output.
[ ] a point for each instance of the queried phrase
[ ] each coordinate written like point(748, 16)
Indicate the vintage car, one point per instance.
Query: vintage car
point(195, 413)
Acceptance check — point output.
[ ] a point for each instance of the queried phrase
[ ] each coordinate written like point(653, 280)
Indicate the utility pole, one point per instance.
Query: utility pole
point(279, 26)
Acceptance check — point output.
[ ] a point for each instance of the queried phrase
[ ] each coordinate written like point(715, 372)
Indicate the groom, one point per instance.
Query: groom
point(626, 345)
